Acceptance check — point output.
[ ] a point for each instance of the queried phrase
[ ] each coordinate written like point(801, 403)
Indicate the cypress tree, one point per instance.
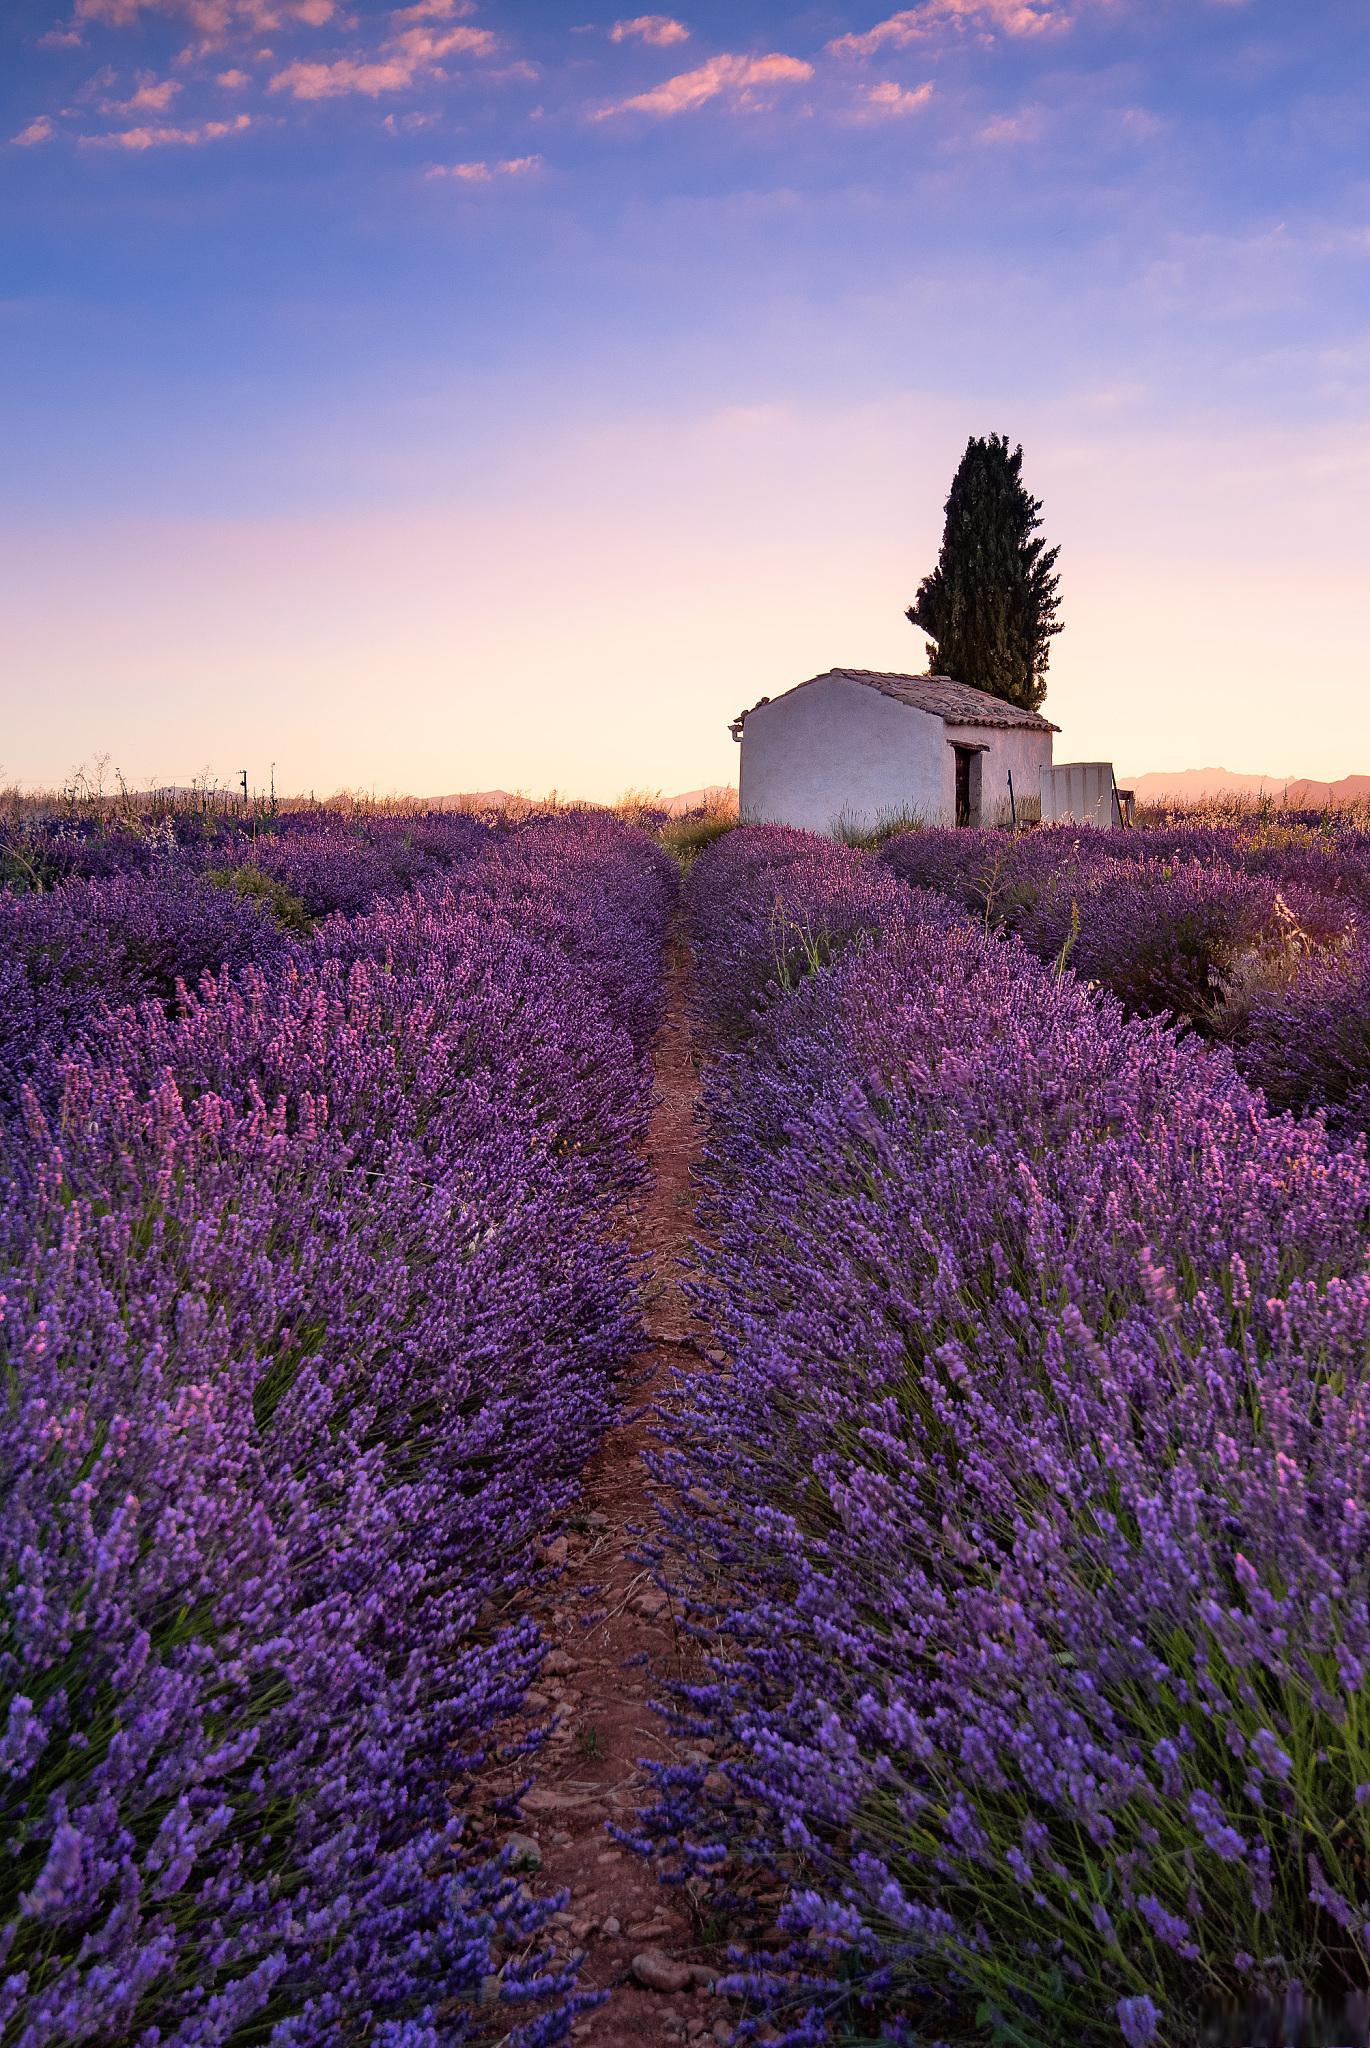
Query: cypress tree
point(990, 604)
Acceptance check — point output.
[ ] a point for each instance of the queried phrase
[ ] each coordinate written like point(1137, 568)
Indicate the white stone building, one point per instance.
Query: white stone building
point(859, 748)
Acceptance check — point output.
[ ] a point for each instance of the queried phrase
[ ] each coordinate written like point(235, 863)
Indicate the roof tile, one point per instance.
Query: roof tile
point(957, 703)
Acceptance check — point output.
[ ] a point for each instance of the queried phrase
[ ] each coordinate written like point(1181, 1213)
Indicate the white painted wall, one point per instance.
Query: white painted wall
point(837, 749)
point(1021, 751)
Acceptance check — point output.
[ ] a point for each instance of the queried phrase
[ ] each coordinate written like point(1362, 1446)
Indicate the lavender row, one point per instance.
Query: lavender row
point(1023, 1523)
point(1254, 936)
point(326, 855)
point(312, 1305)
point(770, 904)
point(139, 913)
point(980, 866)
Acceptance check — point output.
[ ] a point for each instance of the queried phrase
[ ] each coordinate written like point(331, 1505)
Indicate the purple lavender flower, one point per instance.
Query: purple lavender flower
point(1140, 2021)
point(1308, 1047)
point(311, 1307)
point(1016, 1505)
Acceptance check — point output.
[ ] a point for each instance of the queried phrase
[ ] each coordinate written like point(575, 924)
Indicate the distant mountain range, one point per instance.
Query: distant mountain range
point(1299, 792)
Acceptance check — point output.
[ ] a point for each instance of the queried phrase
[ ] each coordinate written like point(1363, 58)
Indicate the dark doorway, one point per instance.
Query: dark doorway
point(967, 785)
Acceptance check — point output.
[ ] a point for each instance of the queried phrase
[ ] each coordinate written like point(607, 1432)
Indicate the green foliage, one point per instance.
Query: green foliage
point(1068, 944)
point(990, 604)
point(286, 908)
point(801, 946)
point(19, 872)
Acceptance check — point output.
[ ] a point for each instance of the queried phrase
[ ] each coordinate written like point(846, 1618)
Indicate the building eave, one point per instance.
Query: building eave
point(885, 683)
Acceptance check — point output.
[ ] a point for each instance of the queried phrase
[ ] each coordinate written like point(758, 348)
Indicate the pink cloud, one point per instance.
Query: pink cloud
point(153, 96)
point(113, 13)
point(161, 138)
point(1026, 126)
point(914, 24)
point(233, 81)
point(730, 77)
point(38, 130)
point(434, 10)
point(306, 81)
point(1141, 122)
point(481, 173)
point(889, 99)
point(413, 54)
point(102, 81)
point(214, 21)
point(660, 29)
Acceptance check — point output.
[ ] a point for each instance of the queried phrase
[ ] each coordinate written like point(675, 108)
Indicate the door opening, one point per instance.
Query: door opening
point(967, 785)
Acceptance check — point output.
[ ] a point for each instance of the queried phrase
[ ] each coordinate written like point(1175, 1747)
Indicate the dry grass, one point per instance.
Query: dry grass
point(1262, 813)
point(888, 824)
point(686, 837)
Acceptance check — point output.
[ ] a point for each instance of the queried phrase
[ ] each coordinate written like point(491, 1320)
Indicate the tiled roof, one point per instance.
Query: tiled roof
point(957, 703)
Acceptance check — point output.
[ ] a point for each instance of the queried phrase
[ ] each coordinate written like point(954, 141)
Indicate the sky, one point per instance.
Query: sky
point(502, 393)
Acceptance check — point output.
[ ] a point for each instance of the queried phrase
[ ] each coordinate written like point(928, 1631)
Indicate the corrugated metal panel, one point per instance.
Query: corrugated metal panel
point(1080, 792)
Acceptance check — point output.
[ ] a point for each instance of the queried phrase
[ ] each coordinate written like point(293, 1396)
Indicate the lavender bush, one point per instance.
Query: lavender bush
point(1308, 1045)
point(769, 905)
point(331, 870)
point(151, 915)
point(1160, 937)
point(606, 916)
point(66, 956)
point(311, 1307)
point(1023, 1525)
point(1159, 933)
point(335, 864)
point(1252, 936)
point(1000, 877)
point(140, 935)
point(39, 854)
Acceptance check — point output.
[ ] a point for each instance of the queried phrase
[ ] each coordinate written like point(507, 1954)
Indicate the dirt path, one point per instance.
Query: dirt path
point(611, 1628)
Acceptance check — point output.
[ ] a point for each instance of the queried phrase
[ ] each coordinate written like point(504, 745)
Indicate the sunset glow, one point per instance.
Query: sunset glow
point(465, 395)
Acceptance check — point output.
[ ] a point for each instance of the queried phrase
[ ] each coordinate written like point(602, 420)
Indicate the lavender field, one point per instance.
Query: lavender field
point(313, 1305)
point(1011, 1503)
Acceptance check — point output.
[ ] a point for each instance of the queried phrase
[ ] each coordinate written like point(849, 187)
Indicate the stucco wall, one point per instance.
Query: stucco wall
point(1021, 751)
point(839, 749)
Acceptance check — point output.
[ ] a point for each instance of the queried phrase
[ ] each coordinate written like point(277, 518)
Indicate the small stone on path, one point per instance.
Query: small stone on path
point(657, 1972)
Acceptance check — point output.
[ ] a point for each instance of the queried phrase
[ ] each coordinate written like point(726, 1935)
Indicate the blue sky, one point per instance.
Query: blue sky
point(506, 393)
